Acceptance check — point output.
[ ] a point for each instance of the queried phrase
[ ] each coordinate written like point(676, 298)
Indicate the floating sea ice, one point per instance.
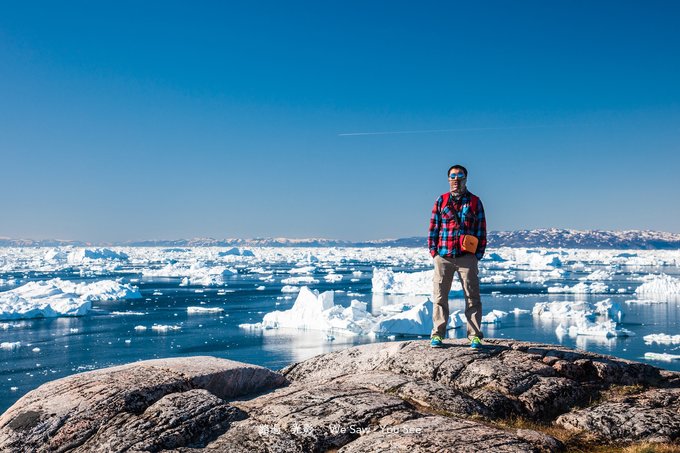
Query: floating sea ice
point(127, 313)
point(661, 356)
point(580, 288)
point(55, 255)
point(333, 278)
point(519, 311)
point(82, 255)
point(163, 328)
point(10, 345)
point(661, 285)
point(598, 275)
point(14, 389)
point(600, 329)
point(140, 328)
point(314, 311)
point(562, 310)
point(385, 281)
point(290, 289)
point(301, 280)
point(661, 338)
point(302, 270)
point(610, 309)
point(415, 321)
point(493, 317)
point(543, 276)
point(184, 282)
point(204, 310)
point(498, 277)
point(57, 297)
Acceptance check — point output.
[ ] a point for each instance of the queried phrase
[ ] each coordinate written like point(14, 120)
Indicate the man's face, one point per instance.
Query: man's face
point(457, 180)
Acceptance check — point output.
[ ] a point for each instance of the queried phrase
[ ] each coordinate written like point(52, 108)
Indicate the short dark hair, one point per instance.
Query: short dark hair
point(457, 167)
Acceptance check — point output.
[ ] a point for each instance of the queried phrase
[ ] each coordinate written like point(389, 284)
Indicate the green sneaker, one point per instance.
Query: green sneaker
point(436, 342)
point(475, 343)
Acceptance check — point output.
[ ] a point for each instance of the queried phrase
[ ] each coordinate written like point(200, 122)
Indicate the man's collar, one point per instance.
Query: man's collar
point(458, 197)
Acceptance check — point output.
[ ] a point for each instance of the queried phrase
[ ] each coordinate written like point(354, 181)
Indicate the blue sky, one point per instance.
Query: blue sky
point(139, 120)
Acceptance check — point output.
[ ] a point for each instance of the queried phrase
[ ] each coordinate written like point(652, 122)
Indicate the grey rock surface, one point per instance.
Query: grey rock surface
point(396, 396)
point(63, 414)
point(652, 416)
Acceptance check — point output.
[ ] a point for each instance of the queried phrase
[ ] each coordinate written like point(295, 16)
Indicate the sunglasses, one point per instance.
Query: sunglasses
point(457, 176)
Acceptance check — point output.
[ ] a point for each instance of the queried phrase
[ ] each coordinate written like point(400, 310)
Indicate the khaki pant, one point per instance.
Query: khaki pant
point(466, 267)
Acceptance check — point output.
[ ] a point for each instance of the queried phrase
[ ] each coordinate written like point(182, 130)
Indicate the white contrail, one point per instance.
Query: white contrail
point(425, 131)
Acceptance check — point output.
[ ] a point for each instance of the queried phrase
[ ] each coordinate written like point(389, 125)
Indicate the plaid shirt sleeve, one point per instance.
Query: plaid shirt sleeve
point(480, 231)
point(435, 225)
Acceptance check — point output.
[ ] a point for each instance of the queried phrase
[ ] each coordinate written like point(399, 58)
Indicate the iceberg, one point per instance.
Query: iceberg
point(415, 321)
point(661, 338)
point(660, 285)
point(611, 310)
point(198, 274)
point(606, 329)
point(314, 311)
point(386, 281)
point(562, 310)
point(494, 317)
point(204, 310)
point(57, 297)
point(580, 288)
point(661, 356)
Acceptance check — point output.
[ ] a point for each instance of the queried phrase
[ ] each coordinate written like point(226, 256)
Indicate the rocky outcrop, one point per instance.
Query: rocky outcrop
point(159, 397)
point(398, 396)
point(652, 416)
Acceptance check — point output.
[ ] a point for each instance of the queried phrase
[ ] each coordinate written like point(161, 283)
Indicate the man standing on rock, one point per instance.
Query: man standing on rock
point(457, 241)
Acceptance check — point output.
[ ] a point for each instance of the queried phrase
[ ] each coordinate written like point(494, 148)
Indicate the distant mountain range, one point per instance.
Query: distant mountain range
point(551, 238)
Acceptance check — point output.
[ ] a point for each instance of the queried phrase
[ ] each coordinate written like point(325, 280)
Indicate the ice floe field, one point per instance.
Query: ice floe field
point(67, 310)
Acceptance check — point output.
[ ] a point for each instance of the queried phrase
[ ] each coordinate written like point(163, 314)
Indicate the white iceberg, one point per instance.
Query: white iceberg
point(661, 356)
point(494, 317)
point(610, 309)
point(198, 274)
point(597, 275)
point(605, 329)
point(386, 281)
point(9, 346)
point(562, 310)
point(57, 297)
point(333, 278)
point(163, 328)
point(314, 311)
point(660, 285)
point(580, 288)
point(415, 321)
point(661, 338)
point(300, 280)
point(204, 310)
point(83, 255)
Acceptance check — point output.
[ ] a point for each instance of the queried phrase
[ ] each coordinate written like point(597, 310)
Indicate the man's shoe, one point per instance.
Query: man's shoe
point(436, 342)
point(475, 343)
